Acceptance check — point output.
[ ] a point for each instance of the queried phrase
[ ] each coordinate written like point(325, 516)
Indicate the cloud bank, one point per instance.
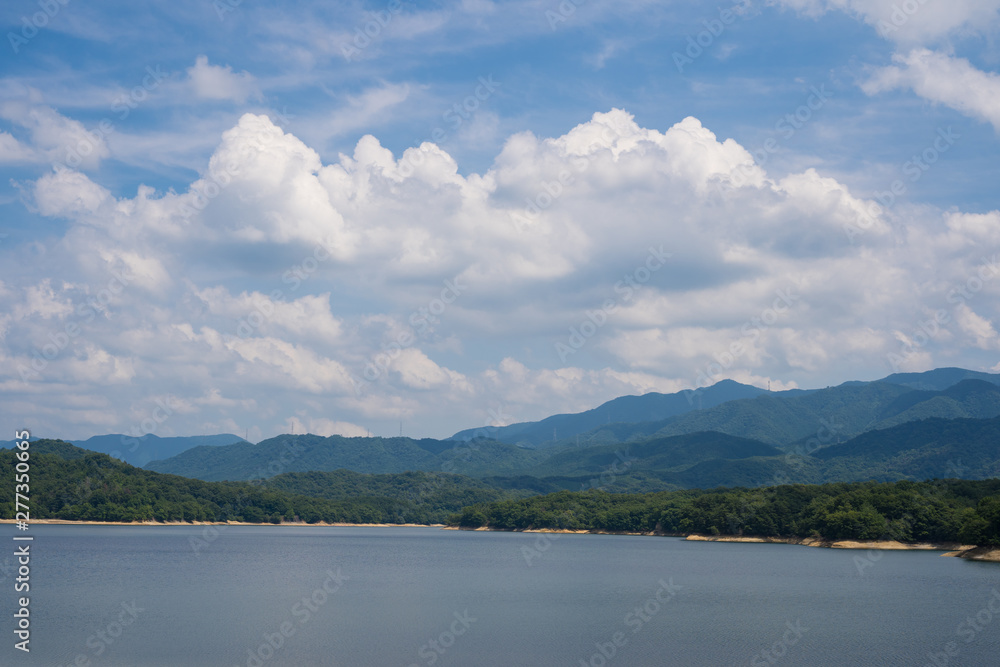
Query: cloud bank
point(280, 292)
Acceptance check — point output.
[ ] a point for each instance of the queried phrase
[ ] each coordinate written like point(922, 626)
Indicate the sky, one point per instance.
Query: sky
point(382, 217)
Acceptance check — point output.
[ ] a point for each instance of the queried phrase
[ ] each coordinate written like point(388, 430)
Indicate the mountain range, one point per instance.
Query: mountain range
point(942, 423)
point(139, 451)
point(779, 418)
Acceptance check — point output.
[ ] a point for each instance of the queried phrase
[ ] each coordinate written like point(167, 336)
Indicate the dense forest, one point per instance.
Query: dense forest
point(71, 483)
point(74, 484)
point(927, 449)
point(936, 511)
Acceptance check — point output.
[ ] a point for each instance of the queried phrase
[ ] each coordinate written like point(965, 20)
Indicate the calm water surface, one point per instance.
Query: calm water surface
point(266, 596)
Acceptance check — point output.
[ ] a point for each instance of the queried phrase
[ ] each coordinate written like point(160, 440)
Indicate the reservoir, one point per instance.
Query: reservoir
point(261, 596)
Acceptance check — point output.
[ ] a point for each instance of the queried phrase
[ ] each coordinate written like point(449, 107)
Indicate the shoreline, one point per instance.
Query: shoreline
point(966, 551)
point(69, 522)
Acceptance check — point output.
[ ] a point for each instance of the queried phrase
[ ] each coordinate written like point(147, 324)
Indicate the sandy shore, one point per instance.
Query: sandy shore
point(969, 551)
point(65, 522)
point(991, 554)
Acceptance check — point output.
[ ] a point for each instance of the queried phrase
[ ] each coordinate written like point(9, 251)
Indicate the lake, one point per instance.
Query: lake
point(258, 596)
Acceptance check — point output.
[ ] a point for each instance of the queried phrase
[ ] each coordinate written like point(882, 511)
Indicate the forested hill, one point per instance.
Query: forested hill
point(71, 483)
point(927, 449)
point(778, 418)
point(304, 453)
point(622, 410)
point(956, 511)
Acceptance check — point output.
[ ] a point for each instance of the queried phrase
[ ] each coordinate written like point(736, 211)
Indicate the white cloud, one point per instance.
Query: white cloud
point(978, 328)
point(13, 151)
point(943, 79)
point(417, 371)
point(474, 279)
point(66, 193)
point(910, 21)
point(306, 317)
point(324, 427)
point(54, 138)
point(43, 301)
point(365, 109)
point(214, 82)
point(290, 365)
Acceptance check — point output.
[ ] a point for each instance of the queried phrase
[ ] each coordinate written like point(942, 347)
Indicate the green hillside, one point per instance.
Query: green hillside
point(75, 484)
point(304, 453)
point(787, 418)
point(70, 483)
point(940, 511)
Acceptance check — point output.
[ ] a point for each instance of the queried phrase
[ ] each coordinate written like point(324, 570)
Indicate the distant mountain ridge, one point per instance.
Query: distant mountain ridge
point(939, 378)
point(303, 453)
point(625, 409)
point(778, 418)
point(930, 448)
point(942, 423)
point(138, 451)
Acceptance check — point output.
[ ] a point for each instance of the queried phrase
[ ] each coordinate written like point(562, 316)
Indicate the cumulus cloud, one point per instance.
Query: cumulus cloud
point(977, 327)
point(69, 194)
point(910, 21)
point(51, 137)
point(214, 82)
point(943, 79)
point(613, 259)
point(324, 427)
point(370, 106)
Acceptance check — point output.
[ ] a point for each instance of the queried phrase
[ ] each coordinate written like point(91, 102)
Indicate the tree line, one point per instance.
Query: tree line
point(74, 484)
point(936, 511)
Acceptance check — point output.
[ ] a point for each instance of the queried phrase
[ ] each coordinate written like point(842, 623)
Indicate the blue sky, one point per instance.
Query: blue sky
point(336, 217)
